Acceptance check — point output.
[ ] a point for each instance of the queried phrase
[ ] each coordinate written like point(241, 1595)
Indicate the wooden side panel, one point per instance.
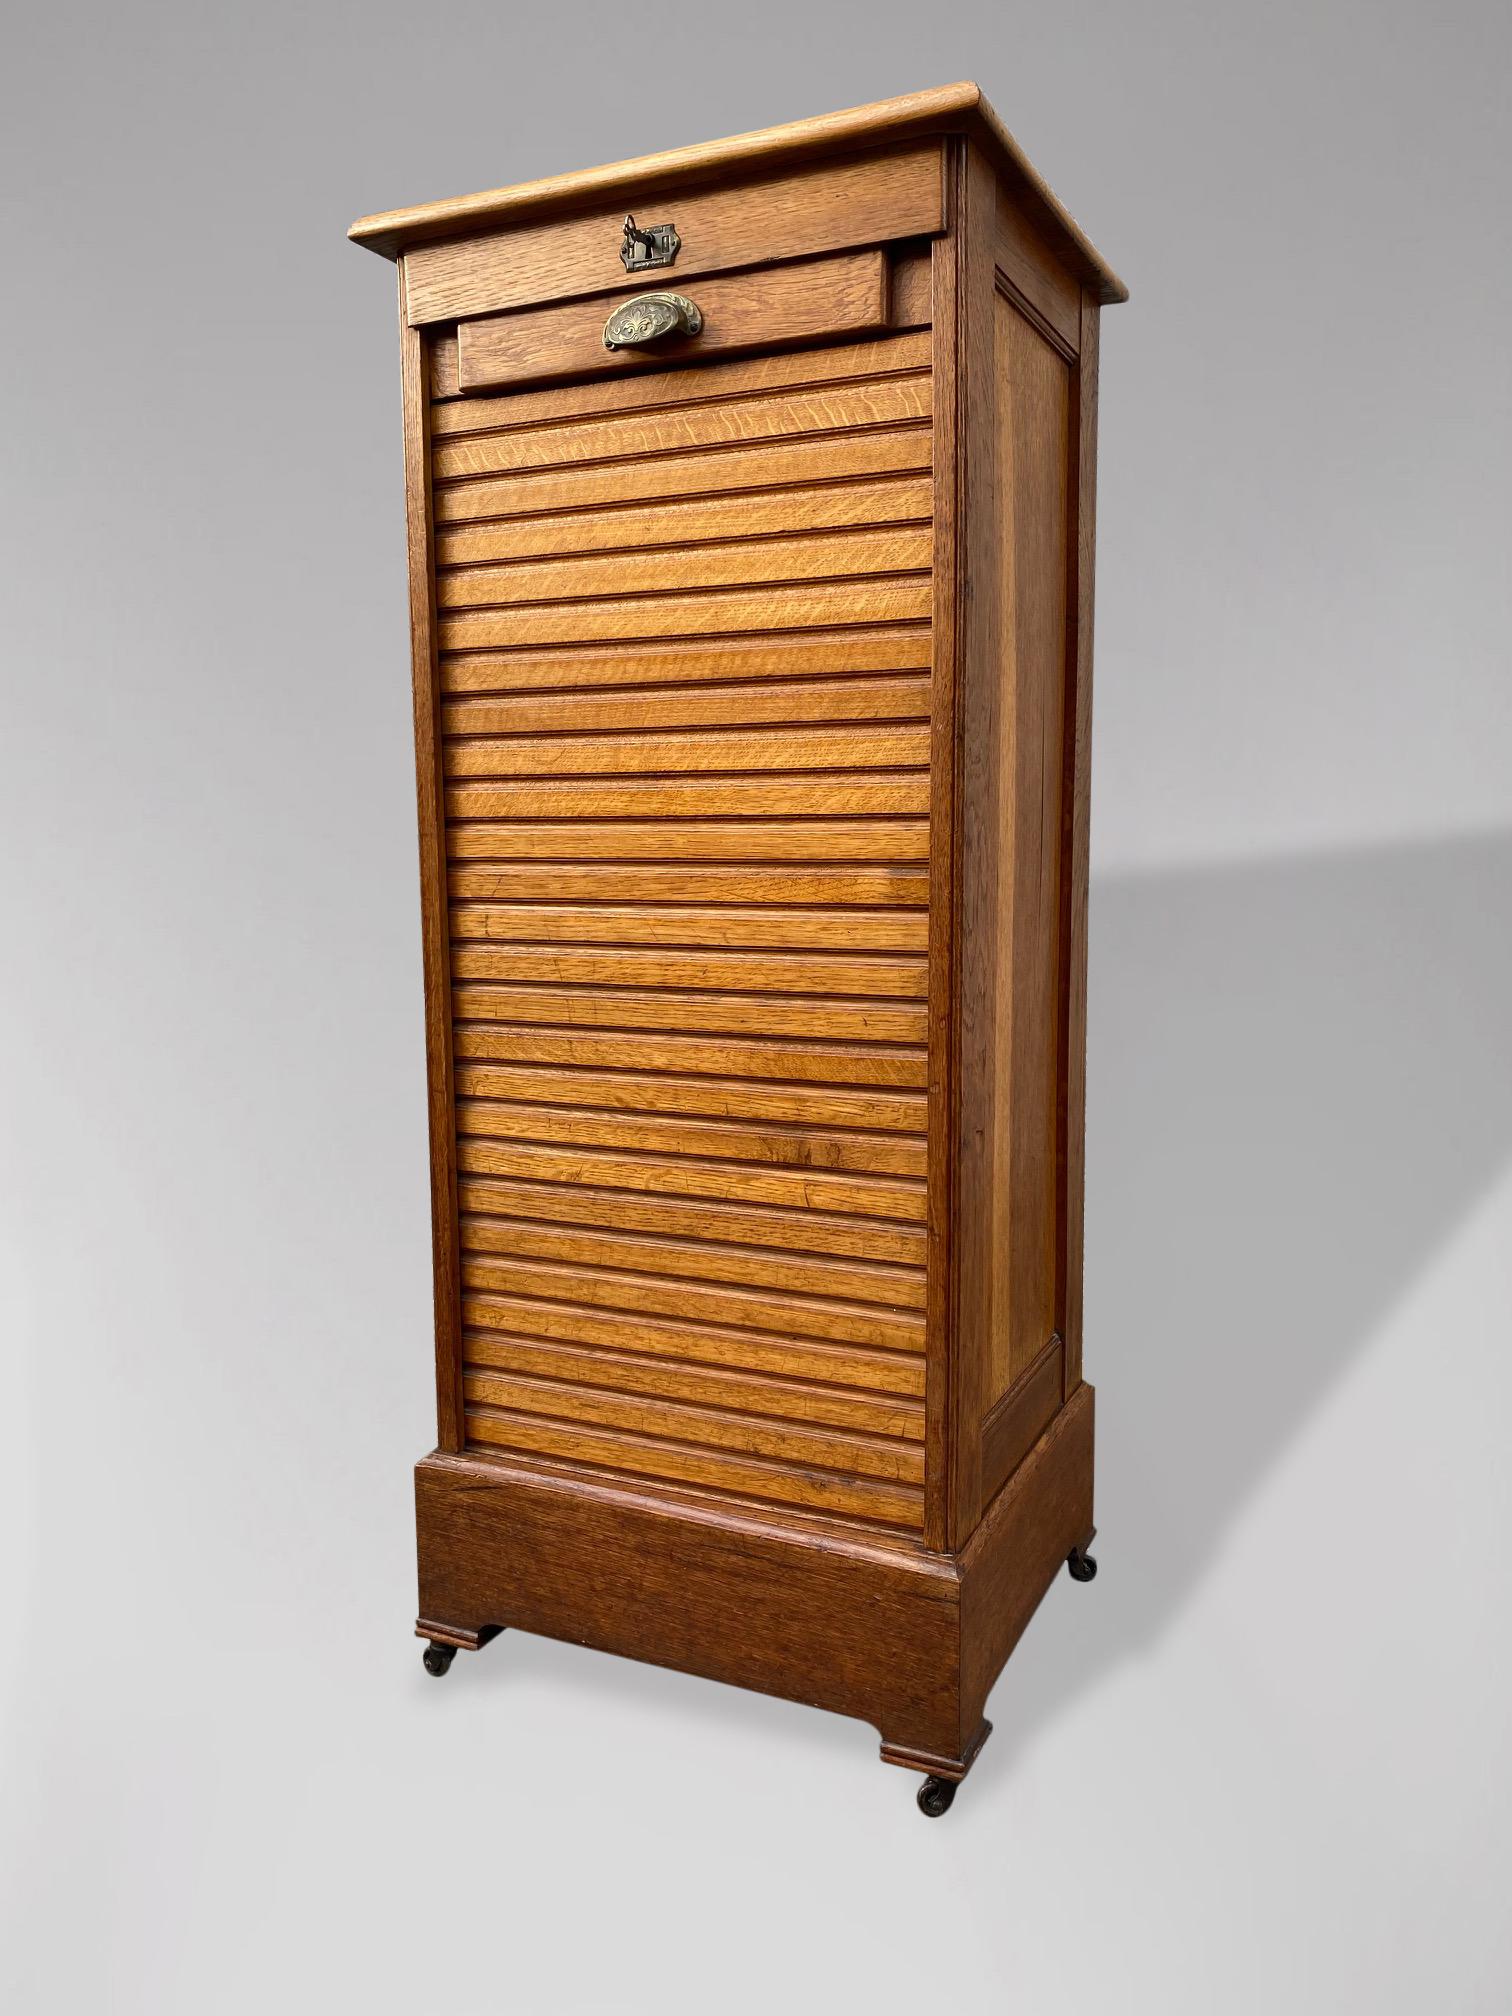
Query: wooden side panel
point(685, 730)
point(1016, 568)
point(824, 208)
point(1034, 478)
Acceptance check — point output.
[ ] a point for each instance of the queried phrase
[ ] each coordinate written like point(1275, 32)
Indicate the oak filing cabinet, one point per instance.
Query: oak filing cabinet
point(750, 505)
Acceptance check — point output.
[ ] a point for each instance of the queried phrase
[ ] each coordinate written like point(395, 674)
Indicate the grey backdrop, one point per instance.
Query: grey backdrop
point(1264, 1763)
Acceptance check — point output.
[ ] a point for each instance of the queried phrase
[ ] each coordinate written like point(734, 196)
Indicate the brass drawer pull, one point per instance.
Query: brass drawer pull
point(648, 319)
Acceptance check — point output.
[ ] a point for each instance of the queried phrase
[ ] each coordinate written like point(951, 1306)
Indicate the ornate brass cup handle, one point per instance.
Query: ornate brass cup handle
point(648, 319)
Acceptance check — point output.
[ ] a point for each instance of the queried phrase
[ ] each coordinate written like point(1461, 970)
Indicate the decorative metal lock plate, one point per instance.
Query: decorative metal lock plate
point(657, 245)
point(649, 318)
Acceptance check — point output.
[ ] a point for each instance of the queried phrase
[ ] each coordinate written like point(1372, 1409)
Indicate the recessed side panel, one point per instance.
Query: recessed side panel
point(1034, 435)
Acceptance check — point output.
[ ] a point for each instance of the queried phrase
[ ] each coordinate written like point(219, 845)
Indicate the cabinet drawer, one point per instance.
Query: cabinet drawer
point(846, 295)
point(825, 208)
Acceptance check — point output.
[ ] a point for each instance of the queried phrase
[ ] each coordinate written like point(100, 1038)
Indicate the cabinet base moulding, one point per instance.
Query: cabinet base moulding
point(880, 1629)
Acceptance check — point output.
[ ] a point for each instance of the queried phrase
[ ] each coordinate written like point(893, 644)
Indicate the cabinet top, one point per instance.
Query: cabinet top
point(953, 108)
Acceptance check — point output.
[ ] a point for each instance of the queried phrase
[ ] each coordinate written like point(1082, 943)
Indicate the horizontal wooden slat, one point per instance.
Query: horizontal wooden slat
point(832, 458)
point(900, 1372)
point(818, 556)
point(828, 840)
point(705, 1385)
point(724, 1098)
point(746, 1308)
point(863, 746)
point(859, 699)
point(681, 1176)
point(713, 1014)
point(609, 883)
point(821, 207)
point(720, 1056)
point(661, 1134)
point(894, 500)
point(896, 930)
point(851, 1451)
point(782, 1233)
point(876, 975)
point(844, 294)
point(828, 364)
point(781, 656)
point(616, 437)
point(683, 1259)
point(694, 798)
point(715, 612)
point(750, 1476)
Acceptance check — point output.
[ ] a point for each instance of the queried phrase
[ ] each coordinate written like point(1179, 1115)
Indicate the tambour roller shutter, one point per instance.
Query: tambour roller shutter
point(683, 625)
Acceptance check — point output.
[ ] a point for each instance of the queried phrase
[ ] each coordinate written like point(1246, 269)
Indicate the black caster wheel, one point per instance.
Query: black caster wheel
point(936, 1796)
point(1083, 1568)
point(438, 1658)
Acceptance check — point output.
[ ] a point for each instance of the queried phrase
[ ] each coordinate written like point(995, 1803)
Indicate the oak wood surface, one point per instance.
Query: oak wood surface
point(1077, 805)
point(951, 108)
point(1034, 473)
point(429, 789)
point(844, 295)
point(752, 725)
point(778, 218)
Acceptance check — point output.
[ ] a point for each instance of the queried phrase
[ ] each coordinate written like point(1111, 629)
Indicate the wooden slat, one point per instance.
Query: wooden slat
point(829, 840)
point(711, 1014)
point(819, 556)
point(727, 1098)
point(617, 437)
point(833, 458)
point(895, 1504)
point(900, 1372)
point(706, 1385)
point(607, 883)
point(682, 1259)
point(693, 798)
point(828, 364)
point(876, 975)
point(807, 300)
point(895, 500)
point(747, 1308)
point(682, 1176)
point(661, 1134)
point(858, 699)
point(725, 925)
point(861, 747)
point(715, 612)
point(883, 1456)
point(724, 1056)
point(783, 1233)
point(784, 655)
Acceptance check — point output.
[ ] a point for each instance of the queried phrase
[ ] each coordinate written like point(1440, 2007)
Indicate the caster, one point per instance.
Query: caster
point(936, 1796)
point(438, 1658)
point(1082, 1566)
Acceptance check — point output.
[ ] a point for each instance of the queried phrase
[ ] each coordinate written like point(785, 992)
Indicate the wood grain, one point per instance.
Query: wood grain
point(841, 651)
point(429, 794)
point(886, 126)
point(825, 364)
point(783, 217)
point(811, 299)
point(894, 500)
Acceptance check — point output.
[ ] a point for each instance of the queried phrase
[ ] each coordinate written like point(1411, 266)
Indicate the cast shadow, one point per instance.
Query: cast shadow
point(1298, 1088)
